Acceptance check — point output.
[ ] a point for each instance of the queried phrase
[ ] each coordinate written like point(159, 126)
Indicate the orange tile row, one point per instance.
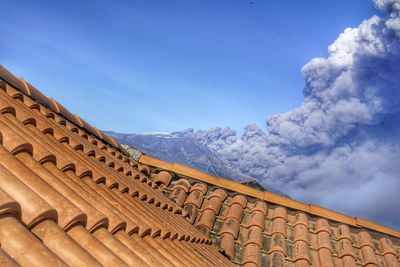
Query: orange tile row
point(253, 241)
point(53, 105)
point(69, 199)
point(272, 198)
point(251, 232)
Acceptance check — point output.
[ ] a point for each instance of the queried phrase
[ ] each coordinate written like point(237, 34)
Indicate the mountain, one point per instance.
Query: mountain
point(184, 148)
point(180, 148)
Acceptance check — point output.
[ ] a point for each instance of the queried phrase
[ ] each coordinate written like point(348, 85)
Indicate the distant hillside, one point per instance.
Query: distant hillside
point(180, 148)
point(183, 148)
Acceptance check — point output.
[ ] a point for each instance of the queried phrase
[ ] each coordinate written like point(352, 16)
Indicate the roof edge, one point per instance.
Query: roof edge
point(268, 196)
point(29, 90)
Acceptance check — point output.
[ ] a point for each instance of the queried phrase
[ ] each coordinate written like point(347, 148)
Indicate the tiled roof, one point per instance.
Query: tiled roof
point(70, 195)
point(255, 228)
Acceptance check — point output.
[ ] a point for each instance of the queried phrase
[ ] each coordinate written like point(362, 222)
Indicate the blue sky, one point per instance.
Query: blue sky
point(139, 66)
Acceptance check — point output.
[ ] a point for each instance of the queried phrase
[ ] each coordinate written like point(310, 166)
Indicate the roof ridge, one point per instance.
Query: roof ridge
point(268, 196)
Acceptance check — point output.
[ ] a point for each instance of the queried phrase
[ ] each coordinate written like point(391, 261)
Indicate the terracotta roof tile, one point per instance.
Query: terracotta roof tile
point(163, 178)
point(257, 218)
point(231, 226)
point(206, 221)
point(277, 244)
point(368, 256)
point(387, 246)
point(348, 261)
point(194, 200)
point(301, 240)
point(344, 232)
point(6, 260)
point(33, 207)
point(252, 254)
point(70, 252)
point(144, 169)
point(8, 205)
point(148, 255)
point(301, 252)
point(301, 233)
point(254, 236)
point(325, 257)
point(346, 248)
point(235, 211)
point(196, 195)
point(260, 206)
point(20, 244)
point(277, 259)
point(214, 201)
point(179, 191)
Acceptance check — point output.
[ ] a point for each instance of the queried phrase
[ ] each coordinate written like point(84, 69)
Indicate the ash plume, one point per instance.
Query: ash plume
point(341, 147)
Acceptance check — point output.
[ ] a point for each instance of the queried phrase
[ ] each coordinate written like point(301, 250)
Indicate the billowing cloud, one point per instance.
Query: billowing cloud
point(341, 147)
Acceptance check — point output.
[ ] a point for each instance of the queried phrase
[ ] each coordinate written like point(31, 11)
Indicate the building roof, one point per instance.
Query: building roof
point(71, 195)
point(256, 228)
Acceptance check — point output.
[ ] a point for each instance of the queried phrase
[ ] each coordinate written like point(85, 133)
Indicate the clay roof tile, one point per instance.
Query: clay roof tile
point(349, 261)
point(387, 246)
point(213, 203)
point(254, 235)
point(23, 246)
point(260, 206)
point(219, 193)
point(364, 239)
point(301, 252)
point(276, 259)
point(144, 169)
point(230, 226)
point(252, 254)
point(325, 257)
point(257, 218)
point(235, 211)
point(206, 219)
point(33, 207)
point(346, 248)
point(199, 187)
point(163, 177)
point(182, 183)
point(301, 218)
point(8, 205)
point(322, 225)
point(301, 233)
point(227, 245)
point(368, 256)
point(279, 226)
point(277, 244)
point(344, 232)
point(239, 199)
point(280, 212)
point(390, 260)
point(195, 197)
point(324, 241)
